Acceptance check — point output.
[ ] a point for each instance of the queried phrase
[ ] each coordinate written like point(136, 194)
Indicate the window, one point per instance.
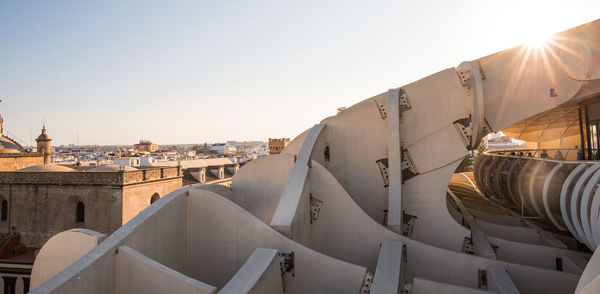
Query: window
point(10, 284)
point(4, 211)
point(80, 216)
point(326, 153)
point(154, 198)
point(26, 285)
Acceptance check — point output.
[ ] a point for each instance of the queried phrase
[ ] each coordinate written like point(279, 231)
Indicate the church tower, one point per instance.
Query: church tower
point(43, 145)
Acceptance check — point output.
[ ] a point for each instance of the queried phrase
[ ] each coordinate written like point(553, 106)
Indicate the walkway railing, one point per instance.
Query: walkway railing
point(552, 153)
point(14, 138)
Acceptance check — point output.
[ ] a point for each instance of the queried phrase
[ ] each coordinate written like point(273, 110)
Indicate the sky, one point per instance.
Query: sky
point(175, 72)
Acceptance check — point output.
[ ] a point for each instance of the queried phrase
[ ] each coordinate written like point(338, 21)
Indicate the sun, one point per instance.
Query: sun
point(538, 40)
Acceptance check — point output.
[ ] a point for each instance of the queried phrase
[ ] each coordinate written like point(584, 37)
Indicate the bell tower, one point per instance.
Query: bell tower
point(44, 144)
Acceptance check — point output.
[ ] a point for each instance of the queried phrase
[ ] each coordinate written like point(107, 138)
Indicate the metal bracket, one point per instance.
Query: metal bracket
point(408, 223)
point(409, 170)
point(468, 246)
point(383, 169)
point(367, 282)
point(403, 104)
point(315, 208)
point(382, 110)
point(465, 129)
point(482, 278)
point(559, 264)
point(286, 263)
point(403, 101)
point(464, 75)
point(486, 127)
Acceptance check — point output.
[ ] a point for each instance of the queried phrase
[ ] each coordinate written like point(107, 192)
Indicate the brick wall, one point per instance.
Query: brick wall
point(18, 162)
point(137, 197)
point(38, 212)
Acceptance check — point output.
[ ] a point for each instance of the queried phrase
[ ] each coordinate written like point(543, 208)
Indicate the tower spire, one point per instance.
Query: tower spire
point(44, 143)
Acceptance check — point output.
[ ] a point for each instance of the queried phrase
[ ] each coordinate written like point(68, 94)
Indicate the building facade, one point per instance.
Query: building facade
point(40, 201)
point(145, 146)
point(223, 148)
point(276, 145)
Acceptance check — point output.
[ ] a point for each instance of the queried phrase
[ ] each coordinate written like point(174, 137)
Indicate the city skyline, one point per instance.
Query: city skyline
point(112, 73)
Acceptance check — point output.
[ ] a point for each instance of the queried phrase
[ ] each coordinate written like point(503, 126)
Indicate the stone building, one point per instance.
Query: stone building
point(145, 146)
point(13, 156)
point(276, 145)
point(40, 201)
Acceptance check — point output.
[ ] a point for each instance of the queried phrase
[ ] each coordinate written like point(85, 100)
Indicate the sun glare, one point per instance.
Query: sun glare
point(538, 40)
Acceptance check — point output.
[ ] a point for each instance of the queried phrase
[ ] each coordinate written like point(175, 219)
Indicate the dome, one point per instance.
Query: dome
point(8, 146)
point(43, 136)
point(112, 168)
point(47, 168)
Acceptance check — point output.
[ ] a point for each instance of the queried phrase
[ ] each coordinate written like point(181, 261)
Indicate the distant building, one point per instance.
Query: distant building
point(202, 149)
point(223, 148)
point(277, 145)
point(201, 171)
point(145, 146)
point(129, 161)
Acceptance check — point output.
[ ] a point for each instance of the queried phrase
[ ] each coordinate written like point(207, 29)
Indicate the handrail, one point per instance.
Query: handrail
point(14, 138)
point(551, 153)
point(529, 150)
point(587, 161)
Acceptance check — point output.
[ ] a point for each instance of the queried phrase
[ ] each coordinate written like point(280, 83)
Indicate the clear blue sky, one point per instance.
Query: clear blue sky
point(208, 71)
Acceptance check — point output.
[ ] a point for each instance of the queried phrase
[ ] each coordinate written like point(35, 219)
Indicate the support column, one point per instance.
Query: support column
point(394, 219)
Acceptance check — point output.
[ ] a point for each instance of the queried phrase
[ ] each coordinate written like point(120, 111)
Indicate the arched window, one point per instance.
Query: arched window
point(80, 216)
point(4, 211)
point(154, 198)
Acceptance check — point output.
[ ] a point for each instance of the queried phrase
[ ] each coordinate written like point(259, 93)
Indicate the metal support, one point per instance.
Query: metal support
point(383, 169)
point(286, 263)
point(315, 208)
point(465, 130)
point(367, 282)
point(403, 101)
point(409, 170)
point(408, 223)
point(382, 110)
point(468, 246)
